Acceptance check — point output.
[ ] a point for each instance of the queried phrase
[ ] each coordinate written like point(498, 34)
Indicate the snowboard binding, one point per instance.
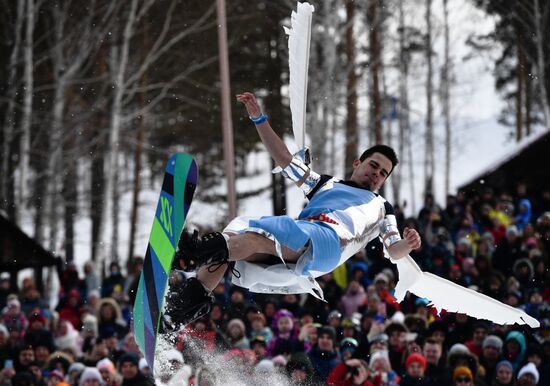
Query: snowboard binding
point(185, 302)
point(195, 251)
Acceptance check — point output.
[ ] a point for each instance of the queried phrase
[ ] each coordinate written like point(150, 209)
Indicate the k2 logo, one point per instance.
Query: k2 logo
point(166, 215)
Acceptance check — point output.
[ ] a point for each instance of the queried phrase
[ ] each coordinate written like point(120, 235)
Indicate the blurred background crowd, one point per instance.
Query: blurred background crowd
point(495, 244)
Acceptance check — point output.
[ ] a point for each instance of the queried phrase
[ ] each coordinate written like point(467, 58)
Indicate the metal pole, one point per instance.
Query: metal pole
point(228, 152)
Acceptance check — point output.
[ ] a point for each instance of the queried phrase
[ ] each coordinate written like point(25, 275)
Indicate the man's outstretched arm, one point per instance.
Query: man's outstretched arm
point(273, 143)
point(410, 242)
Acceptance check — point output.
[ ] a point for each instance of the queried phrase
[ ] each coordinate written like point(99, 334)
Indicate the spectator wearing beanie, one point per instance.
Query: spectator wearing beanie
point(74, 373)
point(323, 355)
point(91, 377)
point(490, 355)
point(528, 375)
point(416, 366)
point(56, 378)
point(460, 356)
point(504, 374)
point(108, 372)
point(129, 368)
point(462, 376)
point(381, 373)
point(236, 333)
point(348, 347)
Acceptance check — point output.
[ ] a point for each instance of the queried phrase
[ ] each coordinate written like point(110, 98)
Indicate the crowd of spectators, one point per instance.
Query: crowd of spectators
point(496, 244)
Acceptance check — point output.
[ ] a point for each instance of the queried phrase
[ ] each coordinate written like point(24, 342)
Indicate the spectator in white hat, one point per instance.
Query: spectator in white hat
point(91, 377)
point(528, 375)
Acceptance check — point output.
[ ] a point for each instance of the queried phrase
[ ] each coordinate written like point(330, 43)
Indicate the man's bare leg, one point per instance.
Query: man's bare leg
point(248, 246)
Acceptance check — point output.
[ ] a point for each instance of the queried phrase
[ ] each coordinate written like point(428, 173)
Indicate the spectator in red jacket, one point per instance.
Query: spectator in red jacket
point(350, 373)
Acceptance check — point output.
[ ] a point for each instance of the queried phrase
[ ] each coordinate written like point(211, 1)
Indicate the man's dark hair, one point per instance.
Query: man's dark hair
point(384, 150)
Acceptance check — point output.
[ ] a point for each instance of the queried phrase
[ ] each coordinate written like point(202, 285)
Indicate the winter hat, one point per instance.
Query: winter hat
point(492, 341)
point(300, 361)
point(398, 317)
point(107, 365)
point(416, 357)
point(512, 230)
point(334, 314)
point(505, 363)
point(382, 277)
point(89, 324)
point(129, 357)
point(462, 371)
point(348, 344)
point(236, 322)
point(458, 348)
point(265, 366)
point(258, 339)
point(383, 338)
point(77, 366)
point(381, 354)
point(90, 373)
point(14, 303)
point(279, 360)
point(330, 331)
point(529, 368)
point(58, 374)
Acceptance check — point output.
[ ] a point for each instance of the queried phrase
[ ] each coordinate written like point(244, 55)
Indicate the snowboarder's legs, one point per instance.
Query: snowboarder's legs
point(193, 298)
point(186, 302)
point(249, 246)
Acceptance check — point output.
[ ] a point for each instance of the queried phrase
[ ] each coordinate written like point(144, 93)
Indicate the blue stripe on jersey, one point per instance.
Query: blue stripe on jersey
point(337, 198)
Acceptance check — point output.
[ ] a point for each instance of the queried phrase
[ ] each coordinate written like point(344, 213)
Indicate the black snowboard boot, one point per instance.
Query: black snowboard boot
point(185, 302)
point(195, 251)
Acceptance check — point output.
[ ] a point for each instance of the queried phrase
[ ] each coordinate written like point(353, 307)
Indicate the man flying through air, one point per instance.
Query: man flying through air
point(278, 254)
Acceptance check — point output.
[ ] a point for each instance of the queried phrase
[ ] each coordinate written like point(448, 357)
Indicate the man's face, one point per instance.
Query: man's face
point(397, 339)
point(325, 343)
point(527, 379)
point(372, 172)
point(479, 335)
point(41, 354)
point(432, 352)
point(128, 370)
point(491, 353)
point(26, 356)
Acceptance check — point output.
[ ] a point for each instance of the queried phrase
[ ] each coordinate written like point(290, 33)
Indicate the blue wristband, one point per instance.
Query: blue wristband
point(259, 119)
